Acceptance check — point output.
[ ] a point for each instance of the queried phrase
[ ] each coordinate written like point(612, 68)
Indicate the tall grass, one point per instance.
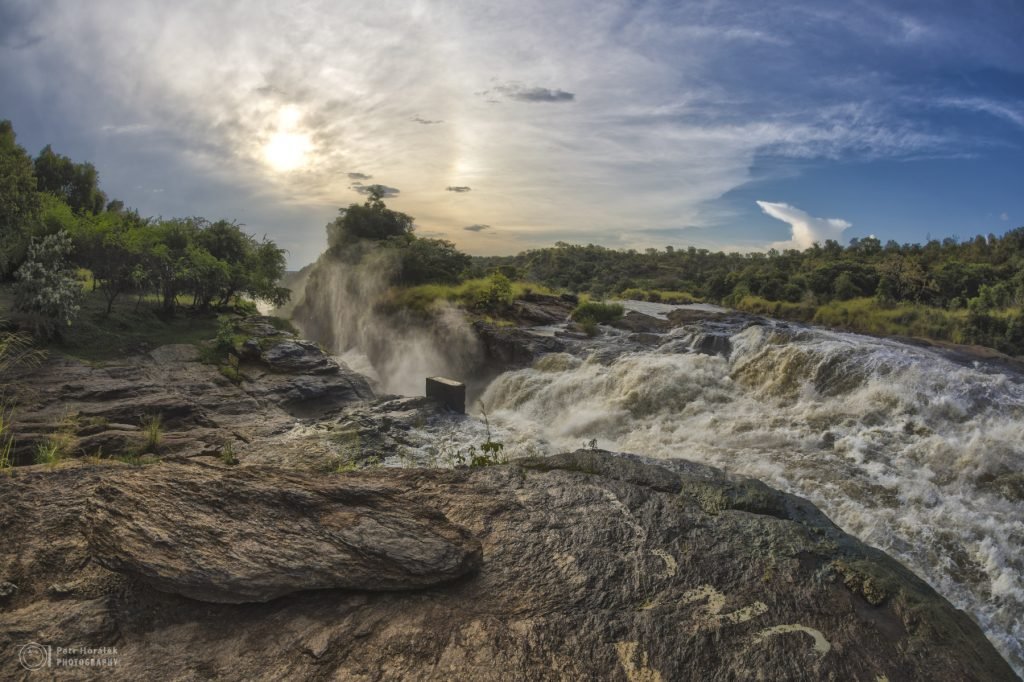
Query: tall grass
point(6, 435)
point(152, 431)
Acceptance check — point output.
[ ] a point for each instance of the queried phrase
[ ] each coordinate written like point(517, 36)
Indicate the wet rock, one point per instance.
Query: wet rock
point(510, 347)
point(235, 536)
point(637, 322)
point(298, 356)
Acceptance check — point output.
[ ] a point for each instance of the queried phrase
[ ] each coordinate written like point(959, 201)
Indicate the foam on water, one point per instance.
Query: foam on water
point(911, 452)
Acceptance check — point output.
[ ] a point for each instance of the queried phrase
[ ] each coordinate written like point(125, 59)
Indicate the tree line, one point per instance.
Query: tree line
point(55, 221)
point(979, 281)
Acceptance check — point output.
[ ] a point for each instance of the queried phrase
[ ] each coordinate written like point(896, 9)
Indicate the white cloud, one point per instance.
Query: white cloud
point(806, 229)
point(1004, 216)
point(649, 138)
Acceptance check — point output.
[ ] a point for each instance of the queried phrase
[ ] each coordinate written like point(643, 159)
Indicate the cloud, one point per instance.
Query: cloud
point(1004, 216)
point(521, 93)
point(425, 121)
point(460, 189)
point(359, 176)
point(1009, 112)
point(806, 230)
point(126, 129)
point(383, 190)
point(477, 228)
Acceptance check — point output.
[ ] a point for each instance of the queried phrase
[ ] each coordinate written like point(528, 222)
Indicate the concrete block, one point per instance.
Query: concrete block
point(448, 392)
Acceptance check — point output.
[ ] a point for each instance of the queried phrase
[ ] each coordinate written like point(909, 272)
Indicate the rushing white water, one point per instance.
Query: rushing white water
point(909, 451)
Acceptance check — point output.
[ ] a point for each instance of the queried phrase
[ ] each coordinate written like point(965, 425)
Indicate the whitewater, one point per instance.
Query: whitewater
point(912, 450)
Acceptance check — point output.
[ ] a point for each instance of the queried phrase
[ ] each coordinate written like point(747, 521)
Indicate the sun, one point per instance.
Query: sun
point(287, 151)
point(288, 148)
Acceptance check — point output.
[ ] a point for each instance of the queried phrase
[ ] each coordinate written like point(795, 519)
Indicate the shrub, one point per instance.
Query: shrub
point(597, 313)
point(48, 289)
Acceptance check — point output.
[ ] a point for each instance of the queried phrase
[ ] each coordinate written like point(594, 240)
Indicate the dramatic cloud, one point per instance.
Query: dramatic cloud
point(382, 190)
point(458, 188)
point(806, 229)
point(476, 228)
point(685, 104)
point(522, 93)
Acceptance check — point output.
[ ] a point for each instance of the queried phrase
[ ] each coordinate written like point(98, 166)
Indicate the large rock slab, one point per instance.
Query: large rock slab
point(244, 536)
point(594, 566)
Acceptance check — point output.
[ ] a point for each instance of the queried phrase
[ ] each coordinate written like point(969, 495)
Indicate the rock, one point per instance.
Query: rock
point(634, 321)
point(594, 566)
point(298, 356)
point(540, 309)
point(7, 590)
point(511, 347)
point(100, 408)
point(245, 536)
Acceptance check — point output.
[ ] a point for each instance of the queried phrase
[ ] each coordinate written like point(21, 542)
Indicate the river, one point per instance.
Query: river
point(915, 452)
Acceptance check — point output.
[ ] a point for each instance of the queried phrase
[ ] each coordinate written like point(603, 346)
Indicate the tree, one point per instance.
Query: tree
point(845, 288)
point(75, 183)
point(371, 221)
point(47, 289)
point(19, 201)
point(427, 261)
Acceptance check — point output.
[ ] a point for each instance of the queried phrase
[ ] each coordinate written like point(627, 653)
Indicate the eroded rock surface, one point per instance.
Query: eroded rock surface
point(245, 536)
point(594, 566)
point(100, 408)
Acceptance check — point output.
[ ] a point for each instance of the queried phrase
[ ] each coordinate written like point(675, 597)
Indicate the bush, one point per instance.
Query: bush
point(597, 312)
point(48, 289)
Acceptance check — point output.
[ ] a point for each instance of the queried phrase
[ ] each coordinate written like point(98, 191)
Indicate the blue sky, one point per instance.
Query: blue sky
point(723, 124)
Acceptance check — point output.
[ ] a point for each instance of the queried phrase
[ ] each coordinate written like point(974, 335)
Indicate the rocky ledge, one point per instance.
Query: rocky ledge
point(586, 565)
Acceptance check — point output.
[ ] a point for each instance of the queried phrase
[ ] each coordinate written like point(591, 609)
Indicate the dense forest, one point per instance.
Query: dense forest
point(61, 237)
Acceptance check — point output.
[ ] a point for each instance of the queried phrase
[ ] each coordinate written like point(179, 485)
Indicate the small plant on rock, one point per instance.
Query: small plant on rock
point(152, 430)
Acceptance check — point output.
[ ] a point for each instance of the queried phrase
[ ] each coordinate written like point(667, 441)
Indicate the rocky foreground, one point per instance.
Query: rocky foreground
point(586, 565)
point(236, 554)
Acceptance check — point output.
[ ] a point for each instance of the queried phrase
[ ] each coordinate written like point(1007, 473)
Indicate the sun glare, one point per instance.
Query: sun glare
point(287, 149)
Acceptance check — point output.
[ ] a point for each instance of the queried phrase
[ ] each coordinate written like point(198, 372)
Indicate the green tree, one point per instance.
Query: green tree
point(371, 221)
point(47, 290)
point(76, 183)
point(19, 201)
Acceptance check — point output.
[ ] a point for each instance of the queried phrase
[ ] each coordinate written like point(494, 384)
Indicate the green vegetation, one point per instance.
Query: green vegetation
point(595, 311)
point(482, 294)
point(58, 232)
point(963, 291)
point(152, 432)
point(659, 296)
point(6, 436)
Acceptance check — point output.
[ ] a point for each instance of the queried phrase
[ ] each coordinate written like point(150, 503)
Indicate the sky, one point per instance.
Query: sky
point(503, 126)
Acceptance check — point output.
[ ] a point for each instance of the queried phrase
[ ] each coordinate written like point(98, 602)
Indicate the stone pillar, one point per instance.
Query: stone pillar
point(448, 392)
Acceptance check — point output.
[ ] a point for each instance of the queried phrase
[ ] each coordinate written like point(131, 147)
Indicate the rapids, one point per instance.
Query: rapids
point(909, 449)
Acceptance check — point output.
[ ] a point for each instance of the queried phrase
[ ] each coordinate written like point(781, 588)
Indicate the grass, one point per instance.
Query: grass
point(6, 437)
point(152, 430)
point(130, 329)
point(426, 297)
point(660, 296)
point(868, 316)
